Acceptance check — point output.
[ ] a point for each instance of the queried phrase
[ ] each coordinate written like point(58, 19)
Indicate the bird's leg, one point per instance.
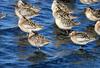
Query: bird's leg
point(38, 49)
point(27, 34)
point(67, 31)
point(81, 47)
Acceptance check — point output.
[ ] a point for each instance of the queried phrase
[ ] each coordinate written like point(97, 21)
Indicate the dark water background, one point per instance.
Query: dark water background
point(16, 52)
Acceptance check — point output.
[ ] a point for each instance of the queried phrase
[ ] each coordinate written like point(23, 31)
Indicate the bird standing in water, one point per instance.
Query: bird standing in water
point(62, 14)
point(37, 40)
point(63, 5)
point(26, 10)
point(81, 38)
point(28, 26)
point(66, 24)
point(91, 14)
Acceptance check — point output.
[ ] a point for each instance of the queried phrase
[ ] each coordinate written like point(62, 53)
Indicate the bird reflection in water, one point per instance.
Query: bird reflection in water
point(61, 36)
point(82, 56)
point(23, 48)
point(30, 54)
point(98, 42)
point(37, 56)
point(2, 15)
point(27, 52)
point(96, 50)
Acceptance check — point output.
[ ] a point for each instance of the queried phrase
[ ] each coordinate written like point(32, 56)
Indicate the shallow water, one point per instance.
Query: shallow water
point(16, 52)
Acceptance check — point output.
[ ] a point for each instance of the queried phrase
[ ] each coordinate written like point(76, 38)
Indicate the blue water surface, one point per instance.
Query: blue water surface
point(16, 52)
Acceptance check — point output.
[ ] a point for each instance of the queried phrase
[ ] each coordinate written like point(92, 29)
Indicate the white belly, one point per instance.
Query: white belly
point(91, 17)
point(24, 29)
point(81, 41)
point(86, 1)
point(97, 30)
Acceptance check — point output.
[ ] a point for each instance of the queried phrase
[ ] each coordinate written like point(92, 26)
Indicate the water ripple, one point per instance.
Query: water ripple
point(16, 52)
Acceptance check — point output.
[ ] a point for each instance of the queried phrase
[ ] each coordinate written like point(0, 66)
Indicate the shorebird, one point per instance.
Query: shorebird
point(27, 25)
point(89, 1)
point(61, 5)
point(97, 27)
point(26, 10)
point(92, 14)
point(81, 38)
point(37, 40)
point(65, 24)
point(60, 13)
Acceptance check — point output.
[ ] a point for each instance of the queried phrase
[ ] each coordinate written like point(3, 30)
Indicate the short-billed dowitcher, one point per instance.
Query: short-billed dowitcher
point(81, 38)
point(26, 10)
point(27, 25)
point(97, 27)
point(61, 5)
point(65, 24)
point(92, 14)
point(37, 40)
